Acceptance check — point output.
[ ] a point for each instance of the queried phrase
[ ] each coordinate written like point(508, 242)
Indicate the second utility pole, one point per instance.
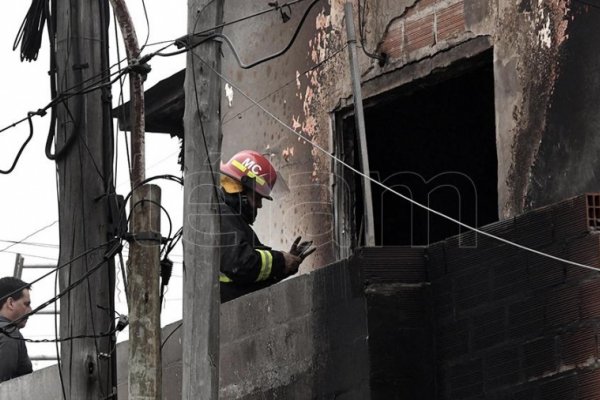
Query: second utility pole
point(143, 267)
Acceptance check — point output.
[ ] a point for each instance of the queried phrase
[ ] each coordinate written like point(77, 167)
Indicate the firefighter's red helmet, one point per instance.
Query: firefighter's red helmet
point(253, 170)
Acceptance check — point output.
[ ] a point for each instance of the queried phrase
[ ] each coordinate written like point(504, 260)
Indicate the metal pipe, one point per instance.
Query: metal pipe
point(359, 117)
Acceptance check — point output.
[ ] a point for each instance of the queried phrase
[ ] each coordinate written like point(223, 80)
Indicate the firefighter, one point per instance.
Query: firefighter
point(246, 264)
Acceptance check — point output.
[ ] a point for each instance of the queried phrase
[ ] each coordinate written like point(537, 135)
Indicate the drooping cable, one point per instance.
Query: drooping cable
point(67, 290)
point(383, 57)
point(230, 44)
point(59, 267)
point(18, 156)
point(383, 186)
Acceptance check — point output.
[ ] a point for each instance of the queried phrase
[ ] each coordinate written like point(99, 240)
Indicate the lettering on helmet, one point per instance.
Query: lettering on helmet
point(252, 166)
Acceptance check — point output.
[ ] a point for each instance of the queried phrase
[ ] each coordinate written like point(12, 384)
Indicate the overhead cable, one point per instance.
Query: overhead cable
point(383, 186)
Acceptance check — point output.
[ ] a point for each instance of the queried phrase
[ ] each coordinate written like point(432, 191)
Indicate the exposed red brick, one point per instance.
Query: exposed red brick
point(418, 34)
point(450, 21)
point(392, 45)
point(579, 346)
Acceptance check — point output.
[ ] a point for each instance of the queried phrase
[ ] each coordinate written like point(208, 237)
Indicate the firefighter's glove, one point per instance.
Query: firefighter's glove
point(292, 263)
point(302, 249)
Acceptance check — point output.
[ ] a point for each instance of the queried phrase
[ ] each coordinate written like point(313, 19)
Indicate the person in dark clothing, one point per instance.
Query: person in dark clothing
point(248, 265)
point(15, 302)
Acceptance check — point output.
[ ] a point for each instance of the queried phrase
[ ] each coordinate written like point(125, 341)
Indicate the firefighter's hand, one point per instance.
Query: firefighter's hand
point(292, 263)
point(303, 249)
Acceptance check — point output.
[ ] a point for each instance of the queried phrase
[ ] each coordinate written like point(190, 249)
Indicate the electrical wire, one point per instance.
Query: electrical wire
point(361, 30)
point(172, 242)
point(383, 186)
point(85, 260)
point(111, 242)
point(56, 285)
point(156, 203)
point(56, 336)
point(67, 290)
point(147, 26)
point(28, 236)
point(31, 31)
point(314, 67)
point(170, 334)
point(242, 19)
point(7, 333)
point(18, 156)
point(34, 244)
point(230, 44)
point(67, 94)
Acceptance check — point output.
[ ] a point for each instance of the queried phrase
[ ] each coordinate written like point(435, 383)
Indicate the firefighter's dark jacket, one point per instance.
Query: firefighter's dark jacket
point(246, 264)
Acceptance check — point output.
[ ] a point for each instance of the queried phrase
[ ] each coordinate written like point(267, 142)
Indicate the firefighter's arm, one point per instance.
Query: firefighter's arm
point(243, 263)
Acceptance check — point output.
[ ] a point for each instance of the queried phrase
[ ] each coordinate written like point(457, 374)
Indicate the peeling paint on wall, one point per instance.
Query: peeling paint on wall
point(309, 90)
point(545, 34)
point(229, 94)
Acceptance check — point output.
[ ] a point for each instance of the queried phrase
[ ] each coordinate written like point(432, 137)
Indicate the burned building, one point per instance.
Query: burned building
point(481, 110)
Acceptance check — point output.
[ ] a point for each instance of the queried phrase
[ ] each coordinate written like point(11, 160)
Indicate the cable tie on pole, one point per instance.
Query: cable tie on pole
point(140, 67)
point(144, 236)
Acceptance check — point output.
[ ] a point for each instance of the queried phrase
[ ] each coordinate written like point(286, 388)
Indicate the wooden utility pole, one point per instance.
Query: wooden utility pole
point(202, 144)
point(143, 271)
point(143, 267)
point(83, 152)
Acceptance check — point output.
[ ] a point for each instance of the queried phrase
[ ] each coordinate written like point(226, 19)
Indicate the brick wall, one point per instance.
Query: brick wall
point(424, 25)
point(401, 347)
point(514, 325)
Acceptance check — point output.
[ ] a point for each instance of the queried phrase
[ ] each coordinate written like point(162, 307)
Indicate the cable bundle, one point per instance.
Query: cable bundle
point(31, 31)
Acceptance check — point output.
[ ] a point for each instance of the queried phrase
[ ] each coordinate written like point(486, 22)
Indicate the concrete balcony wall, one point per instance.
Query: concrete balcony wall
point(300, 339)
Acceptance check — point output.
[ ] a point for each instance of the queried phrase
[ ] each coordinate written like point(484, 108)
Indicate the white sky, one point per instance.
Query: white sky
point(28, 202)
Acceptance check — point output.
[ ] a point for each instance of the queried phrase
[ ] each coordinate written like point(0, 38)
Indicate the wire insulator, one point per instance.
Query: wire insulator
point(166, 269)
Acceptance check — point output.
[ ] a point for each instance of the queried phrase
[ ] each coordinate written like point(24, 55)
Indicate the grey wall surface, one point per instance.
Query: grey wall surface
point(43, 385)
point(300, 339)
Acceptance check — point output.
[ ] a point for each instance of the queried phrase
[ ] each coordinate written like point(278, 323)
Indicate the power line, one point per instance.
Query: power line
point(35, 244)
point(100, 77)
point(28, 236)
point(67, 290)
point(376, 182)
point(114, 241)
point(253, 64)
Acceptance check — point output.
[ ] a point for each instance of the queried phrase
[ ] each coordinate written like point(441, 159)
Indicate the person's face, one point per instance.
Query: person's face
point(255, 201)
point(19, 307)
